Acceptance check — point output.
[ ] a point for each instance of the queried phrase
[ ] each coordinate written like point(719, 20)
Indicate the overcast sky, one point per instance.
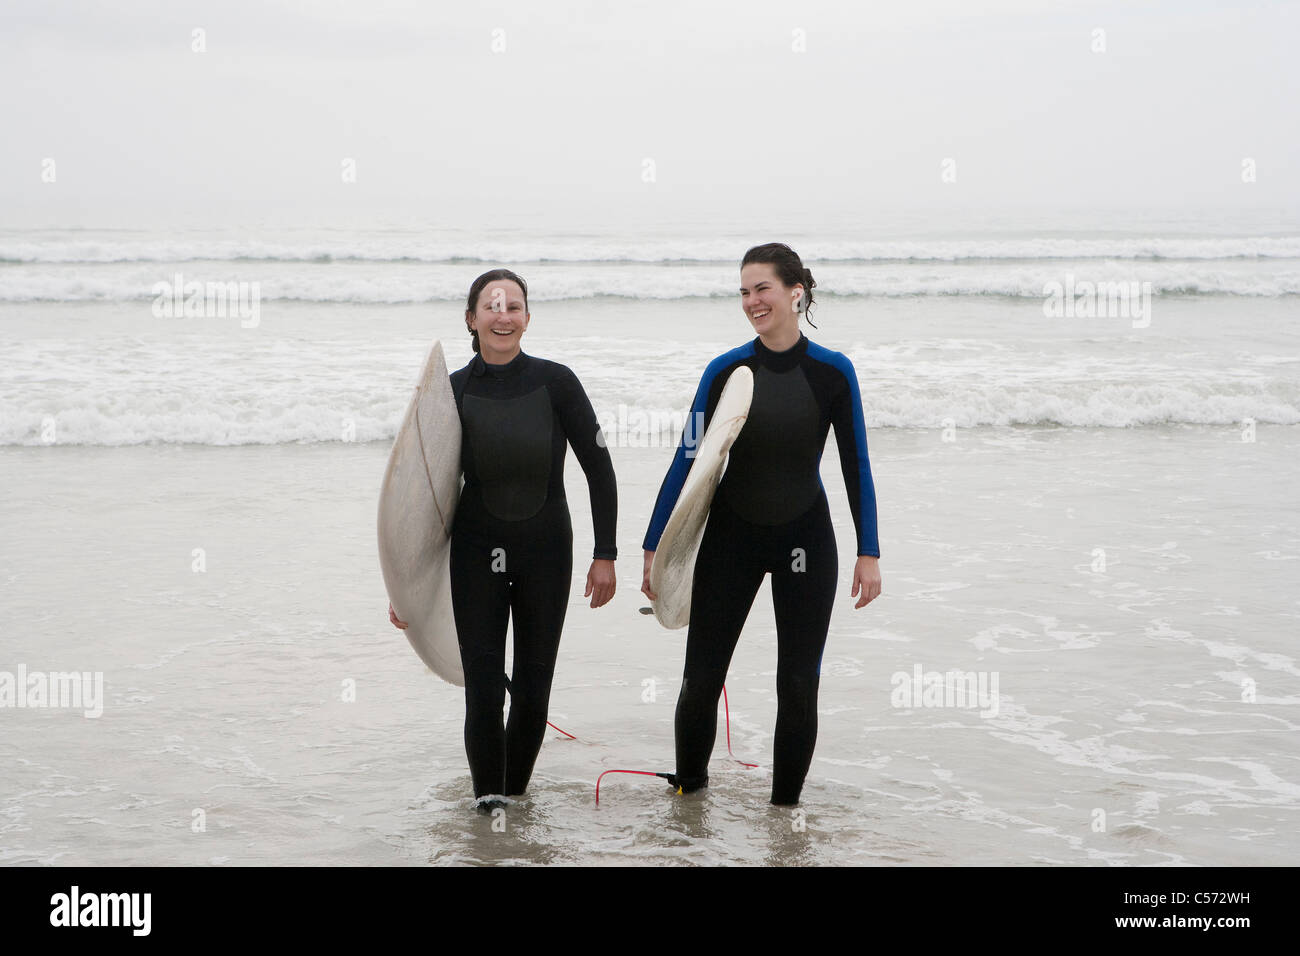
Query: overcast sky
point(605, 109)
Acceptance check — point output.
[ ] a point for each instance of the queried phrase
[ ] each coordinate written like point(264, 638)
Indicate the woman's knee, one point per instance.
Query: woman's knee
point(700, 690)
point(796, 695)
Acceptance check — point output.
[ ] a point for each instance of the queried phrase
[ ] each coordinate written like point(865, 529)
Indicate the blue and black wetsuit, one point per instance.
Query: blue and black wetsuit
point(769, 515)
point(512, 549)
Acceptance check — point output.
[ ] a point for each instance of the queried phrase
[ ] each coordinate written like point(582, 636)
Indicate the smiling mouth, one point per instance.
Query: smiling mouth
point(503, 331)
point(759, 315)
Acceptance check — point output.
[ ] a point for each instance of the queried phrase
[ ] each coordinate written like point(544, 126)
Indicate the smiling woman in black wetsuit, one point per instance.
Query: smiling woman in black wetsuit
point(770, 514)
point(512, 541)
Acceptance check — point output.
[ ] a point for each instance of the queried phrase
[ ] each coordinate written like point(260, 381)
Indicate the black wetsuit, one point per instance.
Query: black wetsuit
point(512, 549)
point(769, 515)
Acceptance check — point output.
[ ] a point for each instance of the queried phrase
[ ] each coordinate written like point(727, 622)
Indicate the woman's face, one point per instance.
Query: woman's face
point(500, 319)
point(768, 303)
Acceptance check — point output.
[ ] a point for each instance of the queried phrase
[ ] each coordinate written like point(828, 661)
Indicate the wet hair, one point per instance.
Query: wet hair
point(481, 283)
point(789, 269)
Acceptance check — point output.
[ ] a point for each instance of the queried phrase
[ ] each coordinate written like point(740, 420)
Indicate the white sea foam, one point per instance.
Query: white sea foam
point(435, 248)
point(380, 283)
point(83, 359)
point(216, 392)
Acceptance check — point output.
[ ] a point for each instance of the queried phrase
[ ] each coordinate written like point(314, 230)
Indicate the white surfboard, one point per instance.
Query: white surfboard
point(417, 503)
point(673, 567)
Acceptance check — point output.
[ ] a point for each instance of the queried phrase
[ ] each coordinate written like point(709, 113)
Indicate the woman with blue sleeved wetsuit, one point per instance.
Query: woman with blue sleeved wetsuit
point(512, 540)
point(770, 515)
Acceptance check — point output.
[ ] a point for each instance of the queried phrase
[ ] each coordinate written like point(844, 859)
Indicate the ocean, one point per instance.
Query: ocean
point(1084, 442)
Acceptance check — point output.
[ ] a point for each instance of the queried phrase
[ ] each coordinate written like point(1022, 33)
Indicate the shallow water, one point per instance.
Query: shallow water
point(1146, 712)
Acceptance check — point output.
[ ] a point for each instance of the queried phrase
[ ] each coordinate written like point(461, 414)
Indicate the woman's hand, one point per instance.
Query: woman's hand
point(601, 582)
point(866, 577)
point(645, 577)
point(392, 616)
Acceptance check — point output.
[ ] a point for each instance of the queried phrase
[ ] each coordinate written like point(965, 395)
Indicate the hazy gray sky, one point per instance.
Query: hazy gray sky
point(563, 115)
